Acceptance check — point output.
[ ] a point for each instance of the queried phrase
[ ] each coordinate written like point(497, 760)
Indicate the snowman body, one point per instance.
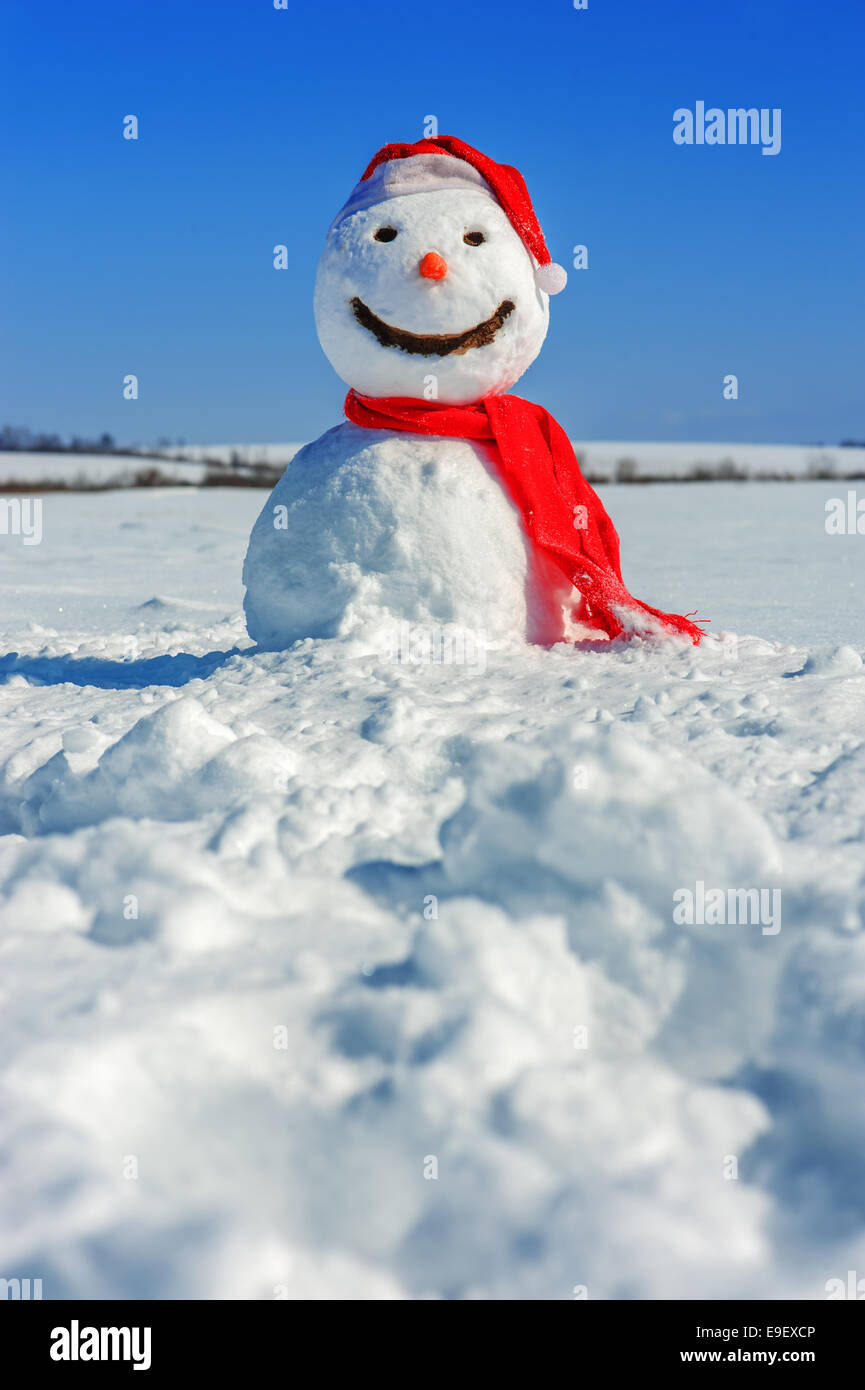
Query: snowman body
point(425, 291)
point(371, 527)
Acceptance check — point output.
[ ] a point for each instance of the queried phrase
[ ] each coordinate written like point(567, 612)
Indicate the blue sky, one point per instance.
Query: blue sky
point(155, 256)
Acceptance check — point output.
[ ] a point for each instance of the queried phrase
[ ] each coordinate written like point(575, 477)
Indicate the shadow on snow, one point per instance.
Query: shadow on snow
point(117, 675)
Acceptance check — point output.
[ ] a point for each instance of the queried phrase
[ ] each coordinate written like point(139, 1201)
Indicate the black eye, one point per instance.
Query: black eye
point(385, 234)
point(474, 238)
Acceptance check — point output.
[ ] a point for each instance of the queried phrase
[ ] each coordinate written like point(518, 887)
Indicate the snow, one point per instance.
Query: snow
point(598, 458)
point(371, 528)
point(601, 458)
point(330, 975)
point(103, 470)
point(270, 455)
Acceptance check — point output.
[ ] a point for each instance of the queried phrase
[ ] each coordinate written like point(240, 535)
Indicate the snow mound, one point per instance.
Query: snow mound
point(361, 530)
point(328, 976)
point(834, 661)
point(387, 536)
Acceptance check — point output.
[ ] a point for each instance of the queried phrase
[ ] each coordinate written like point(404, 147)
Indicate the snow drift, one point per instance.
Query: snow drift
point(331, 975)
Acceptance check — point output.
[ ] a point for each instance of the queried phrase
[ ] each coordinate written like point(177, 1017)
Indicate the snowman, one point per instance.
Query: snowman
point(443, 501)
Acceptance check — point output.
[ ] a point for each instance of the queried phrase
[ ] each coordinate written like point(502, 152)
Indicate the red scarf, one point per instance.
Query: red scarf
point(561, 513)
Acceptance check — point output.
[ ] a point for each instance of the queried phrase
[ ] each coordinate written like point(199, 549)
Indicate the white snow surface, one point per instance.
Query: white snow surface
point(677, 459)
point(91, 470)
point(650, 458)
point(373, 527)
point(597, 457)
point(284, 934)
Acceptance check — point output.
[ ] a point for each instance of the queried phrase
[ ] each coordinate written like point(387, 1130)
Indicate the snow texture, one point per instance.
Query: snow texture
point(377, 526)
point(331, 975)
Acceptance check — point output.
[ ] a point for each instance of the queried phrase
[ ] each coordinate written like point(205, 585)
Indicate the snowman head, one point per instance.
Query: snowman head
point(435, 277)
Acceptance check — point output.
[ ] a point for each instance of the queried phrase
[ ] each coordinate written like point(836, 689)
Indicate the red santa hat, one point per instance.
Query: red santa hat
point(419, 168)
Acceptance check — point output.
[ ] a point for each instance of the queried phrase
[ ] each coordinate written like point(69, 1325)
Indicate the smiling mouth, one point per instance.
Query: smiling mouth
point(432, 344)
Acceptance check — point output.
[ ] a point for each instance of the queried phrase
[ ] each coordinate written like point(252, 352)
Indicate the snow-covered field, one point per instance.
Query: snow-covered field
point(676, 460)
point(598, 458)
point(89, 470)
point(603, 458)
point(329, 976)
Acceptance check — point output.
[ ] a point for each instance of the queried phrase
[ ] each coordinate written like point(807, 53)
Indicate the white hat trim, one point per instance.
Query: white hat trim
point(419, 173)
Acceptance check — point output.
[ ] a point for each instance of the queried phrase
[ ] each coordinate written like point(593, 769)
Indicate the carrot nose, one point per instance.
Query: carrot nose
point(433, 266)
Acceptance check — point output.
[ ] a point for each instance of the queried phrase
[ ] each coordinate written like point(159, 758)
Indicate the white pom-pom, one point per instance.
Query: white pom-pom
point(551, 278)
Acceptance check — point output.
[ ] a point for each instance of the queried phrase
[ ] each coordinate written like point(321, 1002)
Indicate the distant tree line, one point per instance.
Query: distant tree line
point(19, 439)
